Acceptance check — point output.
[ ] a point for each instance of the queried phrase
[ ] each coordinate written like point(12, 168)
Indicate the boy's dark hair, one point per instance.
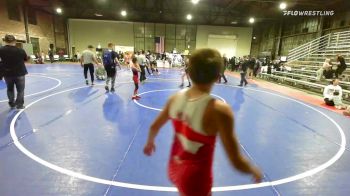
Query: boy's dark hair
point(205, 65)
point(110, 45)
point(134, 59)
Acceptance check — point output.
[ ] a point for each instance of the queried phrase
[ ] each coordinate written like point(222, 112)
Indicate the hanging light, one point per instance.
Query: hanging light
point(189, 17)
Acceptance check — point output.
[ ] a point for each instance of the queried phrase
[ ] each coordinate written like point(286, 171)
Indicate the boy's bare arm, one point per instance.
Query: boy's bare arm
point(160, 121)
point(162, 118)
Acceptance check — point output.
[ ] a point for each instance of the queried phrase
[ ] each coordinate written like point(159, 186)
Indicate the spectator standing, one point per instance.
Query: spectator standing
point(251, 64)
point(50, 52)
point(14, 71)
point(43, 56)
point(87, 59)
point(223, 68)
point(243, 72)
point(110, 59)
point(141, 59)
point(257, 67)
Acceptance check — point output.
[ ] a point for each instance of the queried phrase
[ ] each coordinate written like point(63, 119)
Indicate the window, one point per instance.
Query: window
point(149, 36)
point(170, 37)
point(139, 36)
point(160, 30)
point(181, 37)
point(32, 17)
point(13, 10)
point(139, 44)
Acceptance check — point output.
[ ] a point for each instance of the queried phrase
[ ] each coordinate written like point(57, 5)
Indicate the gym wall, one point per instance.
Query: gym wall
point(83, 32)
point(243, 36)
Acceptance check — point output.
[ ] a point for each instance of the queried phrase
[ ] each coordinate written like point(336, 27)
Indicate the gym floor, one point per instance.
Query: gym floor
point(74, 139)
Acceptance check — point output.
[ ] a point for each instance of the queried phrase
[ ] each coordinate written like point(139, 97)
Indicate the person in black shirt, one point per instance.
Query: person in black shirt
point(251, 65)
point(14, 70)
point(110, 61)
point(51, 55)
point(341, 67)
point(223, 68)
point(243, 71)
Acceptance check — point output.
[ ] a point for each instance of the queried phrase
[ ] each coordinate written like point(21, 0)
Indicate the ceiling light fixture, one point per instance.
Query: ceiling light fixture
point(251, 20)
point(195, 1)
point(59, 10)
point(123, 13)
point(234, 22)
point(189, 17)
point(283, 6)
point(98, 15)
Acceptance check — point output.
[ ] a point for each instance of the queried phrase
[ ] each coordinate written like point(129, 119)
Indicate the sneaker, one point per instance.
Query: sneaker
point(245, 84)
point(138, 97)
point(12, 105)
point(240, 85)
point(181, 86)
point(20, 107)
point(107, 89)
point(112, 90)
point(87, 82)
point(92, 84)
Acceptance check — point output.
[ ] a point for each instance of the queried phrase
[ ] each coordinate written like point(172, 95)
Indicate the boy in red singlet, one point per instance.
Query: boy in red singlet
point(135, 68)
point(197, 118)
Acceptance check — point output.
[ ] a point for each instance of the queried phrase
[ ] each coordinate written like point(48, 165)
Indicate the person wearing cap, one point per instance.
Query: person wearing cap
point(87, 59)
point(14, 70)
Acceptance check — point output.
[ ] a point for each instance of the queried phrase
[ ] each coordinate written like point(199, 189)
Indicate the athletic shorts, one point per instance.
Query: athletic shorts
point(191, 179)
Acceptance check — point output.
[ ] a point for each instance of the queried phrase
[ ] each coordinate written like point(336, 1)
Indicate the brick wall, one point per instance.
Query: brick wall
point(10, 26)
point(44, 29)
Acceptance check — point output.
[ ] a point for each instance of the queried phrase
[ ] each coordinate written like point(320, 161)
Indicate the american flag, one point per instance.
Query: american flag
point(159, 41)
